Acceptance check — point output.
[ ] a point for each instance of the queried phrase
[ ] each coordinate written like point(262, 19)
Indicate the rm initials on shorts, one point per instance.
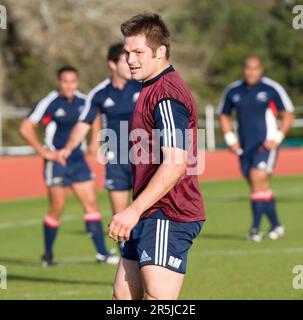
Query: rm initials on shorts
point(174, 262)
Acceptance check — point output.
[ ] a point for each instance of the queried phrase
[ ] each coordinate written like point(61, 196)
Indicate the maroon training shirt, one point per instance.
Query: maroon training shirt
point(184, 202)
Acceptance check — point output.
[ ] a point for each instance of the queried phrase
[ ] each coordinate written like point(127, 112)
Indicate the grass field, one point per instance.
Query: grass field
point(222, 265)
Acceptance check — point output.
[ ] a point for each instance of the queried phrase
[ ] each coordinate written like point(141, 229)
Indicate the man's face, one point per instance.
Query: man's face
point(143, 63)
point(253, 71)
point(68, 83)
point(121, 68)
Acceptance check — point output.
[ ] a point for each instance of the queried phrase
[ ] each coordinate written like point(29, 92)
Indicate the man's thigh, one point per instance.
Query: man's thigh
point(57, 201)
point(119, 200)
point(54, 174)
point(78, 170)
point(160, 248)
point(87, 195)
point(118, 177)
point(161, 283)
point(128, 282)
point(264, 159)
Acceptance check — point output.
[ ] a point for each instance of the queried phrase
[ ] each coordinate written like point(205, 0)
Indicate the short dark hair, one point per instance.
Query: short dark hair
point(115, 51)
point(66, 69)
point(152, 27)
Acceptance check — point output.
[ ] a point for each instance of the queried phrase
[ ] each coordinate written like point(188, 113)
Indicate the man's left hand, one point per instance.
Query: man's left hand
point(63, 154)
point(123, 223)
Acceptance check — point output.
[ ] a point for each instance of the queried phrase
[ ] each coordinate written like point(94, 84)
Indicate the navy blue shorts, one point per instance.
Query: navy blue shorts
point(119, 177)
point(75, 171)
point(157, 240)
point(259, 159)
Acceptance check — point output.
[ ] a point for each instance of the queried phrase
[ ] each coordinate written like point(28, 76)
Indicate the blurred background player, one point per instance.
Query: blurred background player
point(114, 99)
point(257, 101)
point(58, 112)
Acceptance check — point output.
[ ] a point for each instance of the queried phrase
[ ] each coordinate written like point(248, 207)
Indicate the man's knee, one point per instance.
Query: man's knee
point(150, 296)
point(159, 295)
point(121, 293)
point(56, 209)
point(127, 292)
point(259, 179)
point(91, 205)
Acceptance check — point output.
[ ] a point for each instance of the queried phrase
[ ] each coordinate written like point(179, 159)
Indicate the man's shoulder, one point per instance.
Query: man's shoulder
point(173, 80)
point(80, 96)
point(234, 86)
point(99, 89)
point(49, 99)
point(175, 88)
point(271, 84)
point(172, 86)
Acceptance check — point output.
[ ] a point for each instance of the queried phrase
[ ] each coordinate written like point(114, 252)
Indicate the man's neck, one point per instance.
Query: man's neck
point(250, 85)
point(64, 96)
point(159, 70)
point(118, 82)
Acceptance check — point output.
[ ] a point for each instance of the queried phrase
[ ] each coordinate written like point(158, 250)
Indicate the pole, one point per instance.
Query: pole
point(210, 127)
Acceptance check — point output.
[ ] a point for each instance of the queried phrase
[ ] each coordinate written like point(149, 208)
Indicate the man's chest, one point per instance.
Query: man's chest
point(68, 114)
point(142, 117)
point(116, 105)
point(251, 100)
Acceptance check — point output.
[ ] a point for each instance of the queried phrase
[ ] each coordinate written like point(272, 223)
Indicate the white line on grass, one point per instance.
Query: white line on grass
point(227, 197)
point(277, 192)
point(231, 252)
point(31, 222)
point(30, 295)
point(76, 259)
point(243, 252)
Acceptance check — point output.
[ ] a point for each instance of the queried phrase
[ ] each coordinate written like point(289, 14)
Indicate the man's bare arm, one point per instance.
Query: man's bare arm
point(27, 130)
point(94, 143)
point(229, 135)
point(225, 123)
point(285, 125)
point(286, 122)
point(77, 135)
point(165, 178)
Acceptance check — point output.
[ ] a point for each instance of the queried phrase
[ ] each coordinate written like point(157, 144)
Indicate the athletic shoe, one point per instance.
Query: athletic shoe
point(254, 235)
point(47, 261)
point(109, 259)
point(276, 233)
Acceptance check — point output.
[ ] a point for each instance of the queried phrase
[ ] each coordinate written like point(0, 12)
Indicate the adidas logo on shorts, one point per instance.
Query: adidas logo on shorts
point(144, 257)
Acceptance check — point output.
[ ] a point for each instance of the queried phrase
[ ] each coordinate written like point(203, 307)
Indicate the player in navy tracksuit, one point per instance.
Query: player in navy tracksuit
point(257, 101)
point(114, 99)
point(58, 112)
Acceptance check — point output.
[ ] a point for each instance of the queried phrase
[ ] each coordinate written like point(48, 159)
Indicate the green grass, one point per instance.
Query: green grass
point(222, 265)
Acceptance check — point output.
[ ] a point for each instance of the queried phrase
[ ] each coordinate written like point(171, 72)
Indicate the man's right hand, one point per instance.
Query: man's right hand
point(63, 154)
point(232, 141)
point(50, 155)
point(236, 149)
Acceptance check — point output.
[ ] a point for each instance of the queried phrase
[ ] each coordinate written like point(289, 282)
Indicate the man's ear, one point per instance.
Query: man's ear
point(161, 52)
point(111, 64)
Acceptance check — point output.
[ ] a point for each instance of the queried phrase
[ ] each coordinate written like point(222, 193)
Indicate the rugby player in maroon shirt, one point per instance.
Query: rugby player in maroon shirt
point(167, 211)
